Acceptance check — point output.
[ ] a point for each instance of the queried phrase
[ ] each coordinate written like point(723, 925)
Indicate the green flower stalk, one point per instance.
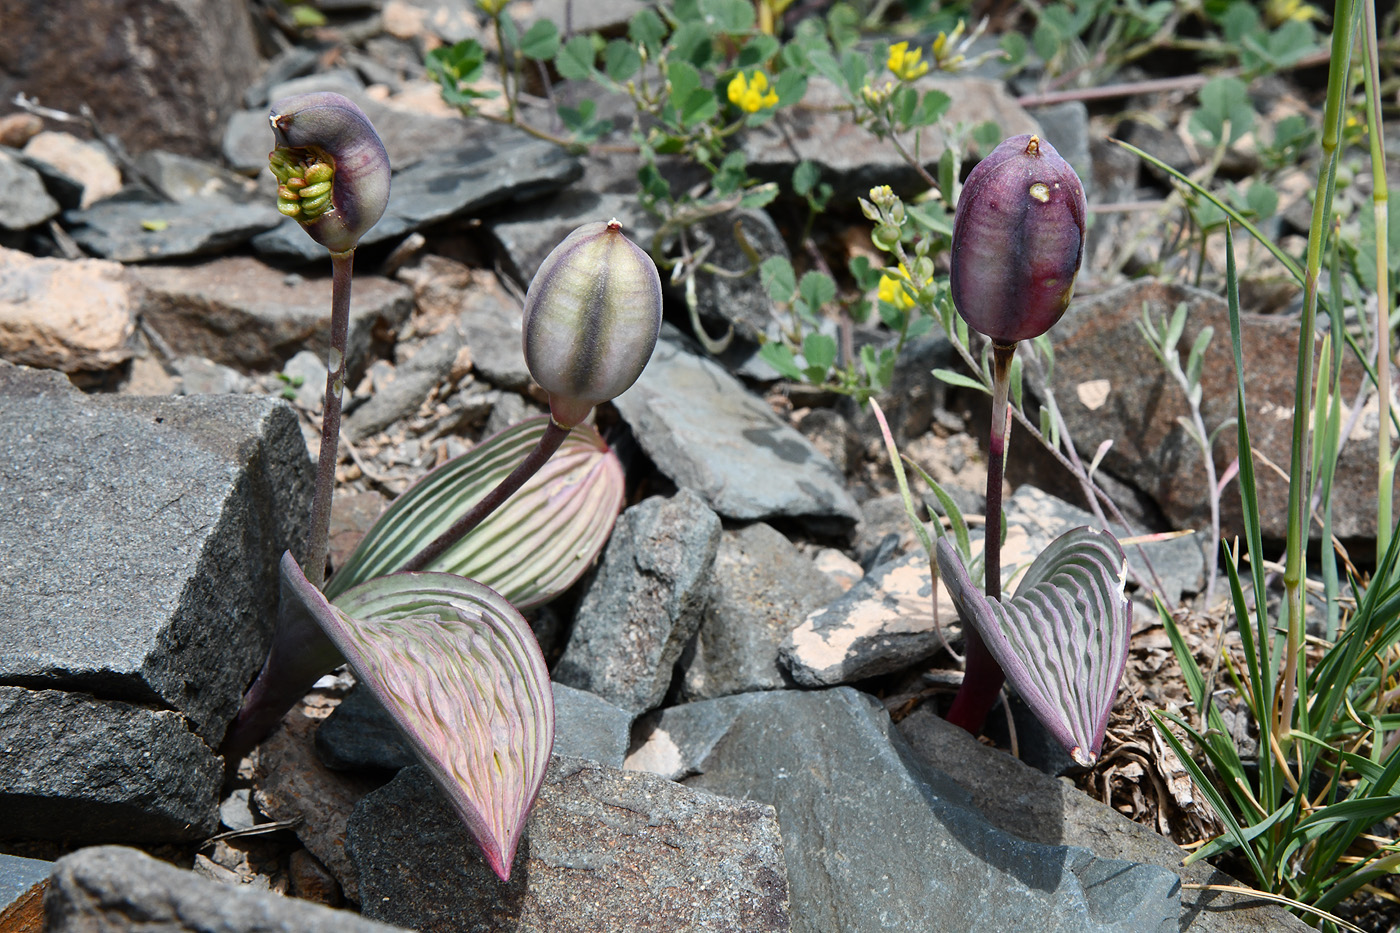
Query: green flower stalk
point(333, 179)
point(1018, 239)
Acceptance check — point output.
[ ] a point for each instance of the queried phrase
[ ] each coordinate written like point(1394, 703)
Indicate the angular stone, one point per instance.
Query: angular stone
point(851, 159)
point(1020, 800)
point(675, 741)
point(491, 322)
point(144, 540)
point(644, 603)
point(163, 78)
point(23, 882)
point(137, 230)
point(884, 623)
point(101, 771)
point(360, 735)
point(1097, 343)
point(875, 841)
point(761, 589)
point(243, 313)
point(429, 366)
point(86, 162)
point(24, 202)
point(498, 165)
point(708, 433)
point(603, 850)
point(108, 887)
point(184, 178)
point(73, 315)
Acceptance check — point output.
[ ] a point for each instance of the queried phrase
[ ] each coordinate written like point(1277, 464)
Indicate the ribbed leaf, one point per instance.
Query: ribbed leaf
point(463, 678)
point(530, 549)
point(1063, 638)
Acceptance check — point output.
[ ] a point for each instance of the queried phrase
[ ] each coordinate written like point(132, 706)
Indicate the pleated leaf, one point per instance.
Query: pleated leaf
point(1063, 638)
point(460, 672)
point(529, 550)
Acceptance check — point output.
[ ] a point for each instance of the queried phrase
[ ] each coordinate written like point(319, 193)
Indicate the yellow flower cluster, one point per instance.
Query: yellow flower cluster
point(895, 290)
point(752, 94)
point(906, 64)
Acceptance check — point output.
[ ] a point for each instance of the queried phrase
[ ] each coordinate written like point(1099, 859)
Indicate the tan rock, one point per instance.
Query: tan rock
point(69, 315)
point(81, 160)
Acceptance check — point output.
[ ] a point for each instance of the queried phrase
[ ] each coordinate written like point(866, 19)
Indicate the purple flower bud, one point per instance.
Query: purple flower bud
point(1018, 238)
point(592, 316)
point(331, 166)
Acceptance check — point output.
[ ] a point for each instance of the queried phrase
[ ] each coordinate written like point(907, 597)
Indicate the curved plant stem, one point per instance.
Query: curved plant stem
point(553, 436)
point(318, 538)
point(984, 676)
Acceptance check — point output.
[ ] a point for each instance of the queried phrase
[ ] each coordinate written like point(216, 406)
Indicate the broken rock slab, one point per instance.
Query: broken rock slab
point(108, 887)
point(72, 315)
point(707, 433)
point(644, 603)
point(142, 540)
point(133, 229)
point(101, 771)
point(24, 201)
point(874, 840)
point(762, 588)
point(23, 882)
point(675, 741)
point(603, 850)
point(243, 313)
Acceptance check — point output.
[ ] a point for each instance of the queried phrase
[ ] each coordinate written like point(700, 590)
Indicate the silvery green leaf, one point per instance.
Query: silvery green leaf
point(460, 672)
point(1063, 638)
point(529, 550)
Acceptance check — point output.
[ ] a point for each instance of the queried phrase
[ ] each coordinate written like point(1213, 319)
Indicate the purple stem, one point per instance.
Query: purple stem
point(553, 436)
point(318, 538)
point(983, 677)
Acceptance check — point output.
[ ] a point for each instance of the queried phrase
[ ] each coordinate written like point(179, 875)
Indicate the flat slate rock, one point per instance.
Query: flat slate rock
point(142, 541)
point(1020, 800)
point(675, 741)
point(761, 588)
point(243, 313)
point(24, 202)
point(499, 165)
point(874, 840)
point(360, 735)
point(102, 771)
point(707, 433)
point(149, 231)
point(604, 850)
point(114, 888)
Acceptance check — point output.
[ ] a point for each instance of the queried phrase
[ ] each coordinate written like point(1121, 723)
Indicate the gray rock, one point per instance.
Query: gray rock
point(874, 840)
point(1097, 344)
point(161, 78)
point(527, 236)
point(243, 313)
point(61, 186)
point(24, 201)
point(603, 850)
point(1020, 800)
point(236, 810)
point(707, 433)
point(884, 623)
point(142, 541)
point(22, 889)
point(102, 771)
point(201, 376)
point(145, 231)
point(644, 603)
point(428, 368)
point(109, 888)
point(359, 735)
point(1178, 563)
point(188, 179)
point(675, 741)
point(292, 62)
point(507, 409)
point(761, 589)
point(73, 315)
point(306, 380)
point(915, 398)
point(496, 166)
point(851, 159)
point(1066, 128)
point(491, 322)
point(742, 303)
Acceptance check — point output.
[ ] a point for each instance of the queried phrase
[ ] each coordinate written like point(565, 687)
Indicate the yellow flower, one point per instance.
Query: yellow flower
point(904, 63)
point(1280, 11)
point(752, 94)
point(896, 291)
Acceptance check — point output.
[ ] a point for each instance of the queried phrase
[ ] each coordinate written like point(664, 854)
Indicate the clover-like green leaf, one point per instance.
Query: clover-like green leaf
point(529, 550)
point(460, 673)
point(1063, 638)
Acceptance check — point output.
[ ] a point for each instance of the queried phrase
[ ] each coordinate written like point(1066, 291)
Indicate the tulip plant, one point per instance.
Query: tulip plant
point(1062, 640)
point(448, 655)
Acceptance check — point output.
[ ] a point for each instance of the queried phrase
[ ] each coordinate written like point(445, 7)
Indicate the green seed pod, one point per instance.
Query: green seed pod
point(324, 139)
point(592, 316)
point(1018, 238)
